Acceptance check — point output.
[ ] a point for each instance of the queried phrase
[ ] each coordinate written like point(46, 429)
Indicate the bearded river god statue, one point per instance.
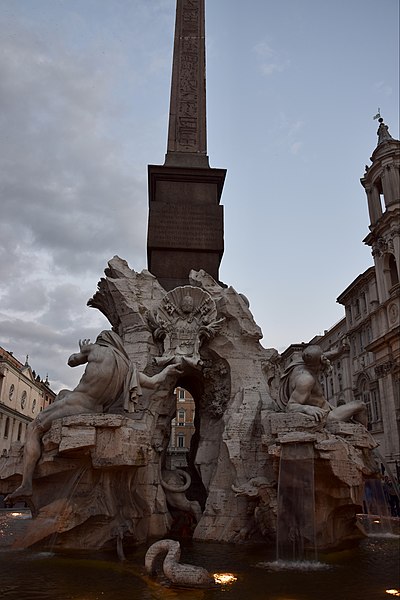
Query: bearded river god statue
point(95, 464)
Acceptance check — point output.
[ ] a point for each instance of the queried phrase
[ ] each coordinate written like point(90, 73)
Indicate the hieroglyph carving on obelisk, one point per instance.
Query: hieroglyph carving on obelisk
point(186, 229)
point(187, 121)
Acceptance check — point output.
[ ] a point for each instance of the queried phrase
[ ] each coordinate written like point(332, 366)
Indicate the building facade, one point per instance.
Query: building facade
point(23, 394)
point(182, 429)
point(372, 300)
point(370, 370)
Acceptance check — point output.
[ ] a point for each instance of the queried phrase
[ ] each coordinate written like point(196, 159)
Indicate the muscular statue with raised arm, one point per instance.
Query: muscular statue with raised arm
point(109, 384)
point(301, 391)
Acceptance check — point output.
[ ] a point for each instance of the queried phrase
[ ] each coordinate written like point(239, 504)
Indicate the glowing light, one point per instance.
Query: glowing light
point(393, 592)
point(16, 514)
point(224, 578)
point(377, 521)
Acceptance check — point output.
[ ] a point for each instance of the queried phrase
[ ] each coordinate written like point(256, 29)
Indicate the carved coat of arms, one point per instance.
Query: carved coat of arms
point(186, 317)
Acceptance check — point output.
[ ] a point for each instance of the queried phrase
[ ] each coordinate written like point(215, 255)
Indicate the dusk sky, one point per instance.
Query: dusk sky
point(292, 88)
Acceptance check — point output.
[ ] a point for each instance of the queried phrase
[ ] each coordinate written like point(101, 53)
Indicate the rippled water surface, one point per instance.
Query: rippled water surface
point(363, 573)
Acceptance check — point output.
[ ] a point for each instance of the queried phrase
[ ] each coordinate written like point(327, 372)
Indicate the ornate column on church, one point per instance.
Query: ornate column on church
point(185, 228)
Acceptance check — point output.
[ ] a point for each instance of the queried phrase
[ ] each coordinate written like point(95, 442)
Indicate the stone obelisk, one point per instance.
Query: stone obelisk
point(185, 229)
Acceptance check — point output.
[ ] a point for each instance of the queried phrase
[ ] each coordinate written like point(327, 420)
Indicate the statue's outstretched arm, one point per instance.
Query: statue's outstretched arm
point(152, 382)
point(80, 358)
point(343, 348)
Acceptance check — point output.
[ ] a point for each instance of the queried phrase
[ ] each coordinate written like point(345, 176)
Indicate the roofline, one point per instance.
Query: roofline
point(355, 282)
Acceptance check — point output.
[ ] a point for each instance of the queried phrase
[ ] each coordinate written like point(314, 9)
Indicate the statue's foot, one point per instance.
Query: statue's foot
point(23, 493)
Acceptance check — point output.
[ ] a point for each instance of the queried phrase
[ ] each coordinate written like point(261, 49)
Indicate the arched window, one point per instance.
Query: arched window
point(394, 276)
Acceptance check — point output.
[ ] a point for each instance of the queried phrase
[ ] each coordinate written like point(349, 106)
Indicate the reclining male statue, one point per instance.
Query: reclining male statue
point(109, 384)
point(301, 391)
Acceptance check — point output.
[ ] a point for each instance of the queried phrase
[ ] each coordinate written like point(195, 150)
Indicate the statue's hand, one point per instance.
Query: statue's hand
point(83, 344)
point(172, 370)
point(315, 411)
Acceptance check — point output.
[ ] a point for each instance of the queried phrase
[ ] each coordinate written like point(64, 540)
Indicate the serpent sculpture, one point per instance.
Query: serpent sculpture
point(177, 573)
point(175, 483)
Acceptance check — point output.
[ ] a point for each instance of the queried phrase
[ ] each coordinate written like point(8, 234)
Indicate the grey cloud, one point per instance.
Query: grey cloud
point(26, 298)
point(62, 177)
point(70, 195)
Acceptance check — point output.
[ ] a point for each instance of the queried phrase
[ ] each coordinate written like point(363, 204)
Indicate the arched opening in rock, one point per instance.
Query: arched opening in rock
point(201, 395)
point(185, 507)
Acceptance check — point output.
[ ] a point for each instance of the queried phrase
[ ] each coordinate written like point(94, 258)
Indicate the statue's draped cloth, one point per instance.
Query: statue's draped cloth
point(124, 386)
point(285, 389)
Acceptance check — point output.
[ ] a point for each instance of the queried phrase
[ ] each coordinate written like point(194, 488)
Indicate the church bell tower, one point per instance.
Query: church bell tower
point(382, 185)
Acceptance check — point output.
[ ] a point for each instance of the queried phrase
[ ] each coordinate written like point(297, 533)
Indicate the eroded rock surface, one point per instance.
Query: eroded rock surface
point(99, 478)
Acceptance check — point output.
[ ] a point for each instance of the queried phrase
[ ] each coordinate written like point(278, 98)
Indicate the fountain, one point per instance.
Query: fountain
point(93, 470)
point(101, 479)
point(376, 519)
point(295, 536)
point(178, 573)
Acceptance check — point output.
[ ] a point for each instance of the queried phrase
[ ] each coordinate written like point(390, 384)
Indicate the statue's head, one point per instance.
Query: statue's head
point(187, 304)
point(312, 355)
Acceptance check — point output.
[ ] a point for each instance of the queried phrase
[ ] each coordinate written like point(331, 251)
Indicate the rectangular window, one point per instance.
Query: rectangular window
point(364, 302)
point(375, 406)
point(181, 417)
point(369, 412)
point(181, 441)
point(361, 341)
